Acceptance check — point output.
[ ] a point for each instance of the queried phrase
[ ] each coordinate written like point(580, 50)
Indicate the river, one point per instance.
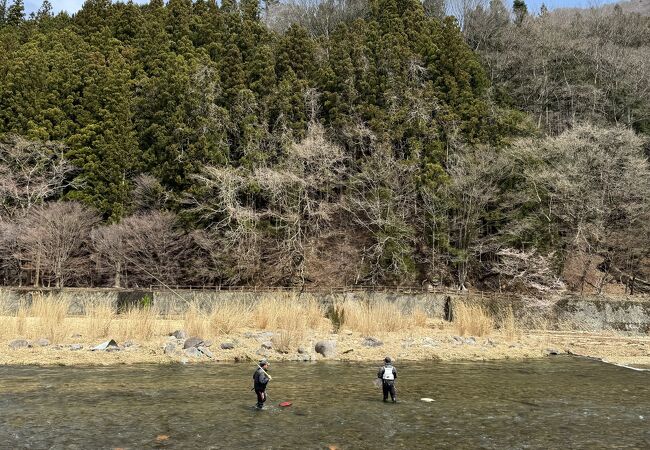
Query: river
point(551, 403)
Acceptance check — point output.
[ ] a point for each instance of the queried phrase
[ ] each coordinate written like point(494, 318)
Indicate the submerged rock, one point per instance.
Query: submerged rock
point(179, 334)
point(19, 343)
point(372, 342)
point(193, 342)
point(325, 348)
point(227, 346)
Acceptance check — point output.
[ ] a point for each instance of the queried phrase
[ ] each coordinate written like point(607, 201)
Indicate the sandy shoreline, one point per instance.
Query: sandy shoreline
point(420, 345)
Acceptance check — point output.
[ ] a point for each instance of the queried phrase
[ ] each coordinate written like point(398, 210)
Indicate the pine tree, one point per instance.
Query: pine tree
point(16, 13)
point(520, 11)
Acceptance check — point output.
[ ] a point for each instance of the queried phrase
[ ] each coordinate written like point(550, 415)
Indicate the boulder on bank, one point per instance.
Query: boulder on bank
point(179, 334)
point(372, 342)
point(268, 345)
point(109, 345)
point(19, 343)
point(194, 352)
point(325, 348)
point(42, 342)
point(76, 347)
point(169, 349)
point(192, 342)
point(227, 346)
point(205, 351)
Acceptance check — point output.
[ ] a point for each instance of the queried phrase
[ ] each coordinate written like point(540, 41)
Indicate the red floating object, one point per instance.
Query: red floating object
point(285, 404)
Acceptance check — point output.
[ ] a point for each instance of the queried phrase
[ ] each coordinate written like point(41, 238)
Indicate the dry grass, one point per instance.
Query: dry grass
point(195, 321)
point(376, 317)
point(508, 326)
point(99, 317)
point(20, 326)
point(288, 312)
point(229, 316)
point(139, 323)
point(420, 317)
point(472, 320)
point(286, 340)
point(50, 312)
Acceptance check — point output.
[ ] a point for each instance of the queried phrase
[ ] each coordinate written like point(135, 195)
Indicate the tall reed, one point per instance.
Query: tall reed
point(98, 318)
point(508, 326)
point(50, 312)
point(472, 319)
point(139, 323)
point(380, 316)
point(229, 316)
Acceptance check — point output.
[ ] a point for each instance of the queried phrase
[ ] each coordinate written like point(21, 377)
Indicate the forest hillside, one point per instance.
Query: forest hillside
point(367, 142)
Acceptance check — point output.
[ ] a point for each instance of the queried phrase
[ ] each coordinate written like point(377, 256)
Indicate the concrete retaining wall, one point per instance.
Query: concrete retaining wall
point(587, 313)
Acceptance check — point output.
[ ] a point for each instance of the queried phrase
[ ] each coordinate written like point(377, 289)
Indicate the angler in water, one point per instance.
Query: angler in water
point(388, 374)
point(260, 379)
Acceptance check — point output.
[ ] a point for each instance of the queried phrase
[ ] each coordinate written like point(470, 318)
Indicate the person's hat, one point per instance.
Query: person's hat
point(263, 362)
point(388, 360)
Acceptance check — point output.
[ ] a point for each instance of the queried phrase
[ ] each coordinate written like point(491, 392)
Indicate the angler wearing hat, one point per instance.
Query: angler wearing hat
point(387, 374)
point(260, 380)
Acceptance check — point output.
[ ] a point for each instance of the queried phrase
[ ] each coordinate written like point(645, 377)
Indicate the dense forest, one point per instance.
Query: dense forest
point(326, 143)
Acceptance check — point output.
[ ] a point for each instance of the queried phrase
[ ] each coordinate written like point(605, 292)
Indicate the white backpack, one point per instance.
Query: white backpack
point(388, 373)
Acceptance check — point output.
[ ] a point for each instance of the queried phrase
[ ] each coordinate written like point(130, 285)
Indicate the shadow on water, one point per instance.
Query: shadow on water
point(551, 403)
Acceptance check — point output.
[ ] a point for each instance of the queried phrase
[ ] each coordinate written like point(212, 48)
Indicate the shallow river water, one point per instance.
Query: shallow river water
point(551, 403)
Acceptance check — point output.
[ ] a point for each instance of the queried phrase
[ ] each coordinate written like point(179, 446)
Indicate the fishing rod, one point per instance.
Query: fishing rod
point(265, 372)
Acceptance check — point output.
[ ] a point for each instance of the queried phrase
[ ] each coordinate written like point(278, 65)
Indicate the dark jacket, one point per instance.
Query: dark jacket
point(260, 379)
point(390, 367)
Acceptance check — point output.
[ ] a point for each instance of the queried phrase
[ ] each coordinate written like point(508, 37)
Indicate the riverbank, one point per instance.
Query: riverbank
point(430, 343)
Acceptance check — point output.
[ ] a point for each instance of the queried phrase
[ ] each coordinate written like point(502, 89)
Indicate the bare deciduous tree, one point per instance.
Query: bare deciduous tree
point(382, 200)
point(53, 241)
point(30, 173)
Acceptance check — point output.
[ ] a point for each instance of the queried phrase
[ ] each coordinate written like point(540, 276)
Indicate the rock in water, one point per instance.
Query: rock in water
point(227, 346)
point(326, 348)
point(193, 342)
point(179, 334)
point(19, 343)
point(372, 342)
point(427, 399)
